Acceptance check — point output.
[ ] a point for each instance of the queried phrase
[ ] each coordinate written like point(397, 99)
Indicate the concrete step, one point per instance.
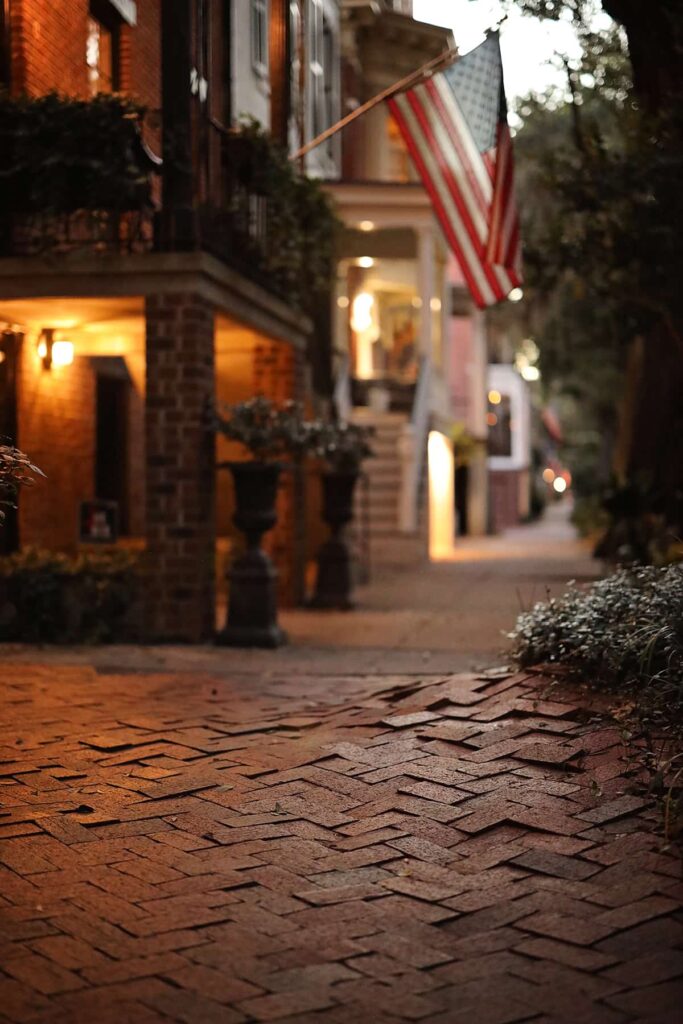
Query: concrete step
point(368, 416)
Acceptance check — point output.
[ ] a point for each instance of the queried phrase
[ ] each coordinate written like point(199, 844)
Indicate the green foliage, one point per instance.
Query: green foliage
point(343, 446)
point(59, 154)
point(272, 431)
point(634, 531)
point(301, 225)
point(465, 445)
point(267, 429)
point(48, 597)
point(599, 184)
point(16, 470)
point(624, 633)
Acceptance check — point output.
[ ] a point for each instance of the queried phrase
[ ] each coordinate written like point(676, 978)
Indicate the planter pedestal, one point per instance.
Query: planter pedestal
point(252, 578)
point(334, 578)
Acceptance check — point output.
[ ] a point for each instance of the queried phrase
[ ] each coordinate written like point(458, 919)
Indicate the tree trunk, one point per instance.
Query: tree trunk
point(652, 418)
point(654, 32)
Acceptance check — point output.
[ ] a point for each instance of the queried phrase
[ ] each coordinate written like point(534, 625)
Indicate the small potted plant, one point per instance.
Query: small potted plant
point(270, 433)
point(342, 447)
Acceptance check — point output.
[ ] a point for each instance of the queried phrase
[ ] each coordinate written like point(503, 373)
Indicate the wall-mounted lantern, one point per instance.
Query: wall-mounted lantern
point(54, 353)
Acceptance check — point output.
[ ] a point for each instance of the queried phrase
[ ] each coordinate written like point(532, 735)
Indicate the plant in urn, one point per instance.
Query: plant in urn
point(342, 447)
point(270, 433)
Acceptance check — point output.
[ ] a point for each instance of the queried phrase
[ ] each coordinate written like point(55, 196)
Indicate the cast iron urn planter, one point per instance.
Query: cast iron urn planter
point(252, 609)
point(333, 582)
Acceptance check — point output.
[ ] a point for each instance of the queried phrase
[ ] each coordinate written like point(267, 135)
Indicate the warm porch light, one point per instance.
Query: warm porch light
point(54, 353)
point(560, 484)
point(441, 498)
point(516, 294)
point(367, 225)
point(495, 397)
point(531, 373)
point(361, 312)
point(62, 353)
point(366, 262)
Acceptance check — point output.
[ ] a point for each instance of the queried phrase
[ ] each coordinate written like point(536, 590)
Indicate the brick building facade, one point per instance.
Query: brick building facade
point(157, 335)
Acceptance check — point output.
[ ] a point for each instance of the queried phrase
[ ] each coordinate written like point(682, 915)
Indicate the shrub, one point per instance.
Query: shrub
point(15, 470)
point(47, 597)
point(625, 632)
point(60, 154)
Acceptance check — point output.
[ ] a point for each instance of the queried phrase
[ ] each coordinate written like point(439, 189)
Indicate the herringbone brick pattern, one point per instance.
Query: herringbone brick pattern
point(467, 849)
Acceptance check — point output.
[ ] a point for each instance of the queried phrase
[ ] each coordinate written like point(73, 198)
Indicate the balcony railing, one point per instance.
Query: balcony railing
point(75, 176)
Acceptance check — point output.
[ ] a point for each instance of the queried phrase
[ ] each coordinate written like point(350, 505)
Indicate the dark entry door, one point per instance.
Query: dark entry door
point(462, 478)
point(111, 458)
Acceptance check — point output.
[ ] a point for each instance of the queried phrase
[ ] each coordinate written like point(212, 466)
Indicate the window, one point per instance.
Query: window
point(329, 80)
point(295, 63)
point(259, 36)
point(323, 74)
point(315, 66)
point(99, 56)
point(499, 420)
point(102, 47)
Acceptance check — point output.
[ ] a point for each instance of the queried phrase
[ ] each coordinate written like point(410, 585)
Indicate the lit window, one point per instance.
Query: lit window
point(259, 36)
point(99, 57)
point(499, 421)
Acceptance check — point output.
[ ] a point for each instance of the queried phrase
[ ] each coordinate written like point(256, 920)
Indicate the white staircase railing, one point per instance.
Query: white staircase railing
point(342, 392)
point(412, 449)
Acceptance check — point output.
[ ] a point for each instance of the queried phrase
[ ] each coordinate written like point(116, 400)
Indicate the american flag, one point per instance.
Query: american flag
point(455, 127)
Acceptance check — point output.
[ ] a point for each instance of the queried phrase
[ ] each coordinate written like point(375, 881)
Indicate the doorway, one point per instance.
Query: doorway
point(113, 391)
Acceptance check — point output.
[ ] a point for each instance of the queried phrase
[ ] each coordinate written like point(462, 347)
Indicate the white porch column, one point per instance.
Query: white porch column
point(426, 281)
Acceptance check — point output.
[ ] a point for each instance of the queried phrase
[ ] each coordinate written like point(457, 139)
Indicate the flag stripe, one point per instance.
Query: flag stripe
point(456, 236)
point(455, 127)
point(454, 179)
point(468, 246)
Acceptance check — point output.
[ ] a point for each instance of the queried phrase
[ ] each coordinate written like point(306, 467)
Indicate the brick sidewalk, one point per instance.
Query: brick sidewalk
point(467, 849)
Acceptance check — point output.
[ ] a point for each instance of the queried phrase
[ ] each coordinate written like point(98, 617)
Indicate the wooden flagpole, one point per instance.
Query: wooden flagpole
point(447, 57)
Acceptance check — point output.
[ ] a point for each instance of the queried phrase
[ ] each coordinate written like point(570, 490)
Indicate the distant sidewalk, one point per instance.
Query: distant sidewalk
point(450, 616)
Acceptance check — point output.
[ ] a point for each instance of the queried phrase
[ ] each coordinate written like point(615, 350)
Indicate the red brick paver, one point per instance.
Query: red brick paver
point(470, 848)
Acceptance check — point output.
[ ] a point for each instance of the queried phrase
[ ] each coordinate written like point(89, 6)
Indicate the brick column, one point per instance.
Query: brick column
point(180, 507)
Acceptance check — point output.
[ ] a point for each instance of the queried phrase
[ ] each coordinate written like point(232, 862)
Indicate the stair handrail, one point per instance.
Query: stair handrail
point(413, 448)
point(342, 391)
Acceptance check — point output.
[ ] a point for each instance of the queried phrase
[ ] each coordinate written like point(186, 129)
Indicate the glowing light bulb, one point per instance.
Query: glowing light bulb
point(548, 475)
point(367, 225)
point(516, 294)
point(62, 353)
point(560, 484)
point(366, 262)
point(495, 397)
